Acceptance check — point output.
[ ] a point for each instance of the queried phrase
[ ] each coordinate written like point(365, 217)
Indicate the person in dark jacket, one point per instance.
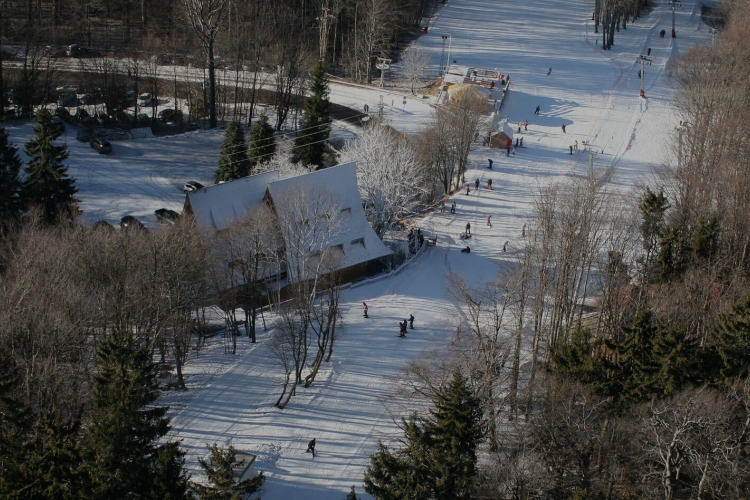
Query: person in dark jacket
point(311, 447)
point(411, 321)
point(468, 228)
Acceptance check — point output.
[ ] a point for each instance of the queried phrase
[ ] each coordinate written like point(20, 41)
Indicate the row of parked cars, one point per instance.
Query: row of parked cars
point(130, 223)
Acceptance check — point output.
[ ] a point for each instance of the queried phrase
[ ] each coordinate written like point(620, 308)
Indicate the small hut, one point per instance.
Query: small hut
point(502, 138)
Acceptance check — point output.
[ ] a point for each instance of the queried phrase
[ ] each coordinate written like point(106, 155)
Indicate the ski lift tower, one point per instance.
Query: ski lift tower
point(643, 60)
point(383, 64)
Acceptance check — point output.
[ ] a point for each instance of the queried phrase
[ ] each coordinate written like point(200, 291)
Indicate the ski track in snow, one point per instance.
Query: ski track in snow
point(593, 92)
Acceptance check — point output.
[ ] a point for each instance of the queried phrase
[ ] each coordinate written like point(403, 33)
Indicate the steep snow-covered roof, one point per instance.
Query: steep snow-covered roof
point(353, 236)
point(219, 205)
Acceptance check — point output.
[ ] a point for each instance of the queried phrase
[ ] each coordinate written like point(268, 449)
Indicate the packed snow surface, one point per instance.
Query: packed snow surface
point(594, 93)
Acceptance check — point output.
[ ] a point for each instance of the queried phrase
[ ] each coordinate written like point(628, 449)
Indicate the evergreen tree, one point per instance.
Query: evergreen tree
point(672, 250)
point(352, 494)
point(47, 185)
point(315, 126)
point(122, 456)
point(233, 160)
point(53, 468)
point(220, 471)
point(731, 339)
point(438, 460)
point(10, 184)
point(455, 432)
point(15, 424)
point(704, 239)
point(637, 370)
point(262, 144)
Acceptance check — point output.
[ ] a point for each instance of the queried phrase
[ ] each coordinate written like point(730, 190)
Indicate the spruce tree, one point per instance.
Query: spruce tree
point(731, 340)
point(53, 467)
point(455, 432)
point(15, 422)
point(352, 495)
point(233, 160)
point(122, 455)
point(262, 144)
point(10, 184)
point(47, 185)
point(315, 126)
point(220, 471)
point(637, 369)
point(438, 460)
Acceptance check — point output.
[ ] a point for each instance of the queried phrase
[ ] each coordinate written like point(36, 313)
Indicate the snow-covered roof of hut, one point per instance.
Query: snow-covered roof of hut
point(219, 205)
point(354, 237)
point(456, 74)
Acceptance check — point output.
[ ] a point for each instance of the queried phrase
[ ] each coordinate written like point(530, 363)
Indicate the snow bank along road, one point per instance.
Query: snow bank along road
point(593, 92)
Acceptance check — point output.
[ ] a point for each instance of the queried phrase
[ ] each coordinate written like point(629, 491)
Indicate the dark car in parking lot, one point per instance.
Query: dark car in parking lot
point(82, 116)
point(169, 116)
point(58, 126)
point(166, 216)
point(100, 144)
point(191, 186)
point(129, 223)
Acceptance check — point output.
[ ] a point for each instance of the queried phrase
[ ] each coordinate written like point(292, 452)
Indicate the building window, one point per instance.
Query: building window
point(339, 247)
point(346, 211)
point(359, 241)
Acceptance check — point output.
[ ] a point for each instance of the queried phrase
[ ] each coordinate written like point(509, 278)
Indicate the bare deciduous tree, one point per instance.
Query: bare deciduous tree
point(206, 17)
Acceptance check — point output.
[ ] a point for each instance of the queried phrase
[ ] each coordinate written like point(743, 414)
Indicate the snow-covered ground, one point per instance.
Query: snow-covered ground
point(593, 92)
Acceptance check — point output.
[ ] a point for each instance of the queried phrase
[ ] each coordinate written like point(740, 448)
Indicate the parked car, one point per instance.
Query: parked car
point(63, 113)
point(145, 100)
point(166, 216)
point(58, 126)
point(129, 222)
point(101, 117)
point(101, 144)
point(77, 50)
point(129, 99)
point(169, 116)
point(191, 186)
point(67, 99)
point(82, 116)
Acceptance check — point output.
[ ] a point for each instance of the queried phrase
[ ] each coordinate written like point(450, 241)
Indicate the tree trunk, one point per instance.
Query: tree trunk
point(211, 86)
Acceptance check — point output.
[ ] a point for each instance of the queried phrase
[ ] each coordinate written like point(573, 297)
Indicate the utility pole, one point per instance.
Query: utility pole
point(673, 3)
point(643, 60)
point(442, 55)
point(326, 19)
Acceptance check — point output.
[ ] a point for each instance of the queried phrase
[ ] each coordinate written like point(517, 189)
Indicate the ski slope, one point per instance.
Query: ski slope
point(595, 93)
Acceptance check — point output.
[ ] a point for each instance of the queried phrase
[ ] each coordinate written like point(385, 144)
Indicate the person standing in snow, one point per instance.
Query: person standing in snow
point(402, 329)
point(364, 308)
point(520, 124)
point(507, 151)
point(563, 128)
point(468, 228)
point(476, 183)
point(521, 141)
point(538, 108)
point(526, 125)
point(575, 144)
point(489, 183)
point(311, 447)
point(468, 190)
point(411, 321)
point(516, 141)
point(489, 223)
point(453, 207)
point(549, 72)
point(571, 149)
point(490, 162)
